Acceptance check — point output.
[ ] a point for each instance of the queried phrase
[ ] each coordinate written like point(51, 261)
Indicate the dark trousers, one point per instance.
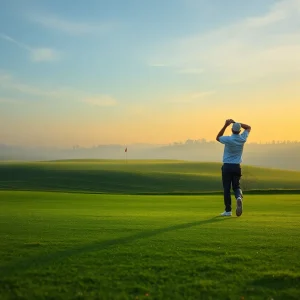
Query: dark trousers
point(231, 175)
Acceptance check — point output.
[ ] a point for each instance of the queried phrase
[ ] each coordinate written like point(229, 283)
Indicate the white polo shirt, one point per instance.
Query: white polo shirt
point(234, 146)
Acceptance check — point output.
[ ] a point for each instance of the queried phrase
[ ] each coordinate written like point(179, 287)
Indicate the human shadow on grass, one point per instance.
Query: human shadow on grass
point(60, 255)
point(278, 281)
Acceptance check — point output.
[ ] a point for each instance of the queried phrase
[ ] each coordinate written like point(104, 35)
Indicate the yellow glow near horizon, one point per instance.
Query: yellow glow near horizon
point(272, 113)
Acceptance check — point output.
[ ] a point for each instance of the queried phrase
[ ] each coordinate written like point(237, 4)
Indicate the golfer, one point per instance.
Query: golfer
point(231, 168)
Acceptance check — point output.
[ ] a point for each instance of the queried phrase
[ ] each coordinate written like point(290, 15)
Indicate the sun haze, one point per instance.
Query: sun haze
point(147, 71)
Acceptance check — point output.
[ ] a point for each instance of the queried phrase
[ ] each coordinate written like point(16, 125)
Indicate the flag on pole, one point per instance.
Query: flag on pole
point(126, 154)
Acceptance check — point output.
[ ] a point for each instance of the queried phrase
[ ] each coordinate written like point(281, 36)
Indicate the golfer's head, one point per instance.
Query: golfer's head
point(236, 128)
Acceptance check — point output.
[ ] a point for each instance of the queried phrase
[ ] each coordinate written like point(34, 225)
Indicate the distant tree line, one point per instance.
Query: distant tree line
point(204, 141)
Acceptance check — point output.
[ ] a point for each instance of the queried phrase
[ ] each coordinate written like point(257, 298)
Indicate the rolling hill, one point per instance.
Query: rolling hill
point(136, 177)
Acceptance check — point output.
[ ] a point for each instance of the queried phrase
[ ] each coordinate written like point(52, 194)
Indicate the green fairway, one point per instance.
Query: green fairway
point(136, 177)
point(81, 246)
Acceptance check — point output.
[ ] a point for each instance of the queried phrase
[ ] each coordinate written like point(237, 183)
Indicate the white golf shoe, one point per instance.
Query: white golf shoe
point(226, 214)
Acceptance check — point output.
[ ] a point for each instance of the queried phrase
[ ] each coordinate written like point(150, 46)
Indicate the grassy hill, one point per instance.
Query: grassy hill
point(136, 177)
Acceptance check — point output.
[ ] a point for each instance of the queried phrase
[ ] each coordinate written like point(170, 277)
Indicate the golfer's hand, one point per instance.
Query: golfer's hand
point(228, 122)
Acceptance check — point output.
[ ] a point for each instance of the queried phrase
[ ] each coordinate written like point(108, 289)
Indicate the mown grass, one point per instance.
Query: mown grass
point(83, 246)
point(136, 177)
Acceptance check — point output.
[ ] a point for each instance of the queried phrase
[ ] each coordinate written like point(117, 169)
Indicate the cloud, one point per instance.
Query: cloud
point(157, 65)
point(70, 27)
point(35, 54)
point(191, 71)
point(103, 100)
point(274, 16)
point(9, 83)
point(176, 69)
point(191, 98)
point(8, 100)
point(44, 54)
point(201, 94)
point(262, 46)
point(13, 41)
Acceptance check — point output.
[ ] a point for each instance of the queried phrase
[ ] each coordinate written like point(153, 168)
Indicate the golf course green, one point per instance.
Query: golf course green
point(145, 230)
point(136, 177)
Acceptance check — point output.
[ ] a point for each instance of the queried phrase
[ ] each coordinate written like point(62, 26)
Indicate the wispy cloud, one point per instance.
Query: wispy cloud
point(69, 26)
point(13, 41)
point(103, 100)
point(275, 15)
point(201, 94)
point(255, 47)
point(176, 69)
point(9, 100)
point(9, 83)
point(157, 65)
point(191, 98)
point(191, 71)
point(35, 54)
point(44, 54)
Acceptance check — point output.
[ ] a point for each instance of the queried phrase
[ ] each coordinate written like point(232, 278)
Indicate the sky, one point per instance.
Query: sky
point(147, 71)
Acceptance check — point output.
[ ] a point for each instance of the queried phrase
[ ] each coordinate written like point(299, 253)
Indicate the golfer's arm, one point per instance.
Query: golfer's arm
point(221, 132)
point(246, 127)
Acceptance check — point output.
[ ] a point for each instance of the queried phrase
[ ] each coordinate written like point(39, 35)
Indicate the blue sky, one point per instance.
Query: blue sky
point(92, 72)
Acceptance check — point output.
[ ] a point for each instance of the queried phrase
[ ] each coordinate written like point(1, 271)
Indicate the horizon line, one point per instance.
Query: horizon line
point(175, 143)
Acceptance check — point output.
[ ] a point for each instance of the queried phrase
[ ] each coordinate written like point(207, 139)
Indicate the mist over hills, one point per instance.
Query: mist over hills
point(282, 155)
